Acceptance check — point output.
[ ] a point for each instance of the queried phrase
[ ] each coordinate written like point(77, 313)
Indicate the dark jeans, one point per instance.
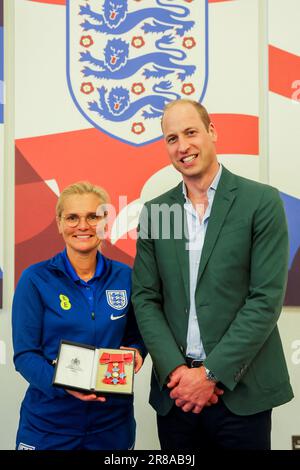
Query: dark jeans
point(214, 428)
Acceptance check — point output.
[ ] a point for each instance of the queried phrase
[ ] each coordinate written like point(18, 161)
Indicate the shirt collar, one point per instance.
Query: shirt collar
point(71, 271)
point(214, 183)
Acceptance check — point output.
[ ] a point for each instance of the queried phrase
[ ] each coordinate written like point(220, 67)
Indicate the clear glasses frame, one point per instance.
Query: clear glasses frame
point(92, 219)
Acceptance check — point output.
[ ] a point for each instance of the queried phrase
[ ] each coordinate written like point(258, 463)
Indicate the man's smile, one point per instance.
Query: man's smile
point(189, 158)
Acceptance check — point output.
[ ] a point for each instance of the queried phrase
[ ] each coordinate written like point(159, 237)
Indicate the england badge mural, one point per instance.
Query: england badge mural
point(127, 59)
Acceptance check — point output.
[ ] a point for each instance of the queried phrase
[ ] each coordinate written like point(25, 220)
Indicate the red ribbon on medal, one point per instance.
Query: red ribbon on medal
point(115, 373)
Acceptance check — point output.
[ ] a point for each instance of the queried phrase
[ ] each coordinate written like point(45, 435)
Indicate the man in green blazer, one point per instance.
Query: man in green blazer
point(208, 286)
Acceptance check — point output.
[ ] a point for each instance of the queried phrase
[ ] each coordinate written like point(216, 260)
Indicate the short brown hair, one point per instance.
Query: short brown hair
point(81, 187)
point(201, 110)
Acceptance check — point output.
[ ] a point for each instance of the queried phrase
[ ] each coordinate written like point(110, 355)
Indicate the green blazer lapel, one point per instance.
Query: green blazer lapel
point(223, 200)
point(181, 241)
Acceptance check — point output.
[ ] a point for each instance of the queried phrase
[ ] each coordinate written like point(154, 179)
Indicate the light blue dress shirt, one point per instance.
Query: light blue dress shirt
point(196, 233)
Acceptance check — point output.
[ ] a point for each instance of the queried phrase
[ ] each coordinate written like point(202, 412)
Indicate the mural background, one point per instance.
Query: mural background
point(284, 118)
point(57, 146)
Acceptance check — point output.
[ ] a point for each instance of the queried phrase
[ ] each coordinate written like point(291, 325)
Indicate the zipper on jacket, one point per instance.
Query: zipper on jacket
point(93, 315)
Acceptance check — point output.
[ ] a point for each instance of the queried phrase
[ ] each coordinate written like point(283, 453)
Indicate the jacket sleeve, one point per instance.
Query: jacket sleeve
point(132, 337)
point(255, 321)
point(147, 300)
point(27, 327)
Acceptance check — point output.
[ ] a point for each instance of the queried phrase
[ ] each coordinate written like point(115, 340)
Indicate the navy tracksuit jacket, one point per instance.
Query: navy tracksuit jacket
point(41, 319)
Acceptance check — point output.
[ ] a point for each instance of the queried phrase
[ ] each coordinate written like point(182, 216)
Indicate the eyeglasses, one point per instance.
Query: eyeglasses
point(72, 220)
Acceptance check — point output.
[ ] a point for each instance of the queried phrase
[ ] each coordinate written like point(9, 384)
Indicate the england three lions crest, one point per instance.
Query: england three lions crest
point(126, 59)
point(117, 299)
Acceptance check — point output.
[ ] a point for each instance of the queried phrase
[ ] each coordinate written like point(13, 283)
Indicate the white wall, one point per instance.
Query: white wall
point(12, 388)
point(286, 418)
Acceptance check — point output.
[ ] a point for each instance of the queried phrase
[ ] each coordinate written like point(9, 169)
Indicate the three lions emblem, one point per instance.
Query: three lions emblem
point(127, 60)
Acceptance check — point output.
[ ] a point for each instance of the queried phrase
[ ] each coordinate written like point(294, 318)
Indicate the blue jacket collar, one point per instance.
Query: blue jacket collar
point(71, 271)
point(57, 263)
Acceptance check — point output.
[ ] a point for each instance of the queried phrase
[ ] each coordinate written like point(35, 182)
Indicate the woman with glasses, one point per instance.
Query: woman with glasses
point(80, 296)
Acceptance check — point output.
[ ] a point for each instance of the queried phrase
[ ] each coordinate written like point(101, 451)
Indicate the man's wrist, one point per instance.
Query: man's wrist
point(177, 370)
point(181, 366)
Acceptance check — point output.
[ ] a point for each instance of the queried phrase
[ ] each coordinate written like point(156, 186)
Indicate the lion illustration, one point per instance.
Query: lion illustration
point(117, 107)
point(116, 19)
point(116, 64)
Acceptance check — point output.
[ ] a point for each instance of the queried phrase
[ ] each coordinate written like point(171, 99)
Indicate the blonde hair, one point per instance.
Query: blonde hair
point(201, 110)
point(81, 187)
